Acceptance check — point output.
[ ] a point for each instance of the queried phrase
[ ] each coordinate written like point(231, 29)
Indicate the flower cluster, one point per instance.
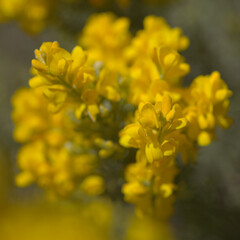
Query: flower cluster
point(106, 45)
point(78, 126)
point(54, 154)
point(68, 77)
point(157, 133)
point(207, 106)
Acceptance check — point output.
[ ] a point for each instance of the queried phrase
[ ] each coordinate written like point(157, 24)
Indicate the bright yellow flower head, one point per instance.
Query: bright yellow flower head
point(156, 131)
point(156, 33)
point(208, 105)
point(150, 186)
point(156, 66)
point(158, 73)
point(67, 77)
point(156, 135)
point(56, 170)
point(106, 36)
point(170, 64)
point(33, 120)
point(64, 75)
point(154, 123)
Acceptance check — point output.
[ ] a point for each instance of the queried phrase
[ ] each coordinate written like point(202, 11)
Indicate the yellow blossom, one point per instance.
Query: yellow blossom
point(155, 122)
point(156, 33)
point(32, 119)
point(170, 64)
point(31, 14)
point(48, 155)
point(105, 36)
point(207, 107)
point(63, 75)
point(93, 185)
point(153, 77)
point(156, 134)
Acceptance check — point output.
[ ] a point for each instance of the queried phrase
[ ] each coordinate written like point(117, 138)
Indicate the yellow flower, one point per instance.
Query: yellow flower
point(93, 185)
point(207, 107)
point(53, 154)
point(32, 120)
point(64, 75)
point(32, 15)
point(160, 72)
point(157, 135)
point(170, 64)
point(105, 37)
point(147, 184)
point(155, 122)
point(56, 169)
point(156, 33)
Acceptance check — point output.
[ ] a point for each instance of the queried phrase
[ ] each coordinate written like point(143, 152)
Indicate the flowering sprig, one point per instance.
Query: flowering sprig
point(79, 127)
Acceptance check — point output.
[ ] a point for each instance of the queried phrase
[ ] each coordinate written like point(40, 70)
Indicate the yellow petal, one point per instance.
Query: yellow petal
point(79, 111)
point(211, 120)
point(184, 67)
point(24, 179)
point(169, 59)
point(37, 81)
point(167, 189)
point(166, 104)
point(182, 122)
point(127, 134)
point(39, 65)
point(62, 66)
point(171, 114)
point(204, 138)
point(93, 111)
point(202, 121)
point(148, 116)
point(168, 147)
point(222, 94)
point(133, 189)
point(153, 153)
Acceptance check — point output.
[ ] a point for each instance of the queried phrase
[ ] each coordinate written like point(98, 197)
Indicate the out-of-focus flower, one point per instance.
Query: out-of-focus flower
point(31, 14)
point(53, 154)
point(105, 37)
point(93, 185)
point(90, 221)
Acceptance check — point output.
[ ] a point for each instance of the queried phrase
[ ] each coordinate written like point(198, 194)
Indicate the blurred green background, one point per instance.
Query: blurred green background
point(208, 205)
